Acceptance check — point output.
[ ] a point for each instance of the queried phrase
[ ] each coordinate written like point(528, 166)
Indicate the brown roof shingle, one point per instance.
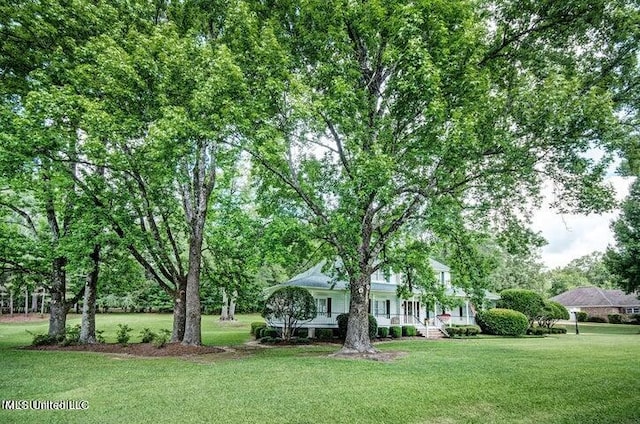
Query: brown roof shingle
point(595, 296)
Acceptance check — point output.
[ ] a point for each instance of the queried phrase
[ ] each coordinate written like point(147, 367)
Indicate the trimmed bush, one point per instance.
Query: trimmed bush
point(559, 330)
point(582, 316)
point(383, 332)
point(122, 335)
point(291, 306)
point(255, 325)
point(538, 331)
point(162, 338)
point(324, 333)
point(302, 333)
point(455, 331)
point(472, 330)
point(45, 340)
point(395, 331)
point(615, 318)
point(463, 330)
point(270, 332)
point(634, 319)
point(528, 302)
point(409, 331)
point(503, 322)
point(343, 322)
point(597, 319)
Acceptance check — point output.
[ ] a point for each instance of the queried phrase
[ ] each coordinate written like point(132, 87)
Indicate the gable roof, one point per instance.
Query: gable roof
point(595, 296)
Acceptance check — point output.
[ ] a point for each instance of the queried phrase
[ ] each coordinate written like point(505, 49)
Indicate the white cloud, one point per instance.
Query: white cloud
point(571, 236)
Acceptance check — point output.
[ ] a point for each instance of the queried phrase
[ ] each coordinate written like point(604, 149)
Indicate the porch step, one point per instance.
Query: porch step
point(434, 333)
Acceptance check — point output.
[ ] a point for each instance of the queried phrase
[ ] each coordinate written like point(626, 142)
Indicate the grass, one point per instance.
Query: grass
point(591, 378)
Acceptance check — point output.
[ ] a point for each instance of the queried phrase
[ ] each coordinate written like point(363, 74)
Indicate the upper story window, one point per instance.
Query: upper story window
point(378, 277)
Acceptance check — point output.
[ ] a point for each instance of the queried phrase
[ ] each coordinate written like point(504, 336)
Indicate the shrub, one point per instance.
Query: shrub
point(538, 331)
point(302, 333)
point(270, 332)
point(270, 340)
point(409, 330)
point(44, 339)
point(147, 335)
point(343, 322)
point(634, 319)
point(597, 319)
point(395, 331)
point(324, 333)
point(472, 330)
point(455, 331)
point(528, 302)
point(558, 330)
point(552, 313)
point(71, 335)
point(383, 332)
point(256, 325)
point(290, 305)
point(99, 336)
point(503, 322)
point(122, 335)
point(162, 338)
point(463, 330)
point(257, 330)
point(615, 318)
point(581, 316)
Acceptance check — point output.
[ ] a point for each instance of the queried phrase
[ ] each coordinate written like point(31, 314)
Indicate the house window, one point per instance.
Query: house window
point(382, 307)
point(378, 276)
point(321, 305)
point(460, 311)
point(632, 310)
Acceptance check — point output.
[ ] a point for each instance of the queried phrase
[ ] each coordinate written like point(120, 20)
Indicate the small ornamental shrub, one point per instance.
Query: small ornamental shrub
point(71, 335)
point(615, 318)
point(463, 330)
point(409, 331)
point(302, 333)
point(44, 340)
point(558, 329)
point(528, 302)
point(343, 322)
point(395, 331)
point(324, 333)
point(122, 335)
point(552, 313)
point(270, 332)
point(162, 338)
point(455, 331)
point(383, 332)
point(597, 319)
point(147, 335)
point(538, 331)
point(503, 322)
point(99, 336)
point(581, 316)
point(255, 325)
point(300, 340)
point(270, 340)
point(634, 319)
point(472, 330)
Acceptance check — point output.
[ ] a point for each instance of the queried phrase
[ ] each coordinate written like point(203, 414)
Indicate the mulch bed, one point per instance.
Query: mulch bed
point(135, 349)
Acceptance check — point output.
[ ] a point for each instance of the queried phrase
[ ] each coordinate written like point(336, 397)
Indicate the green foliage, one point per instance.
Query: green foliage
point(71, 335)
point(552, 313)
point(596, 319)
point(162, 338)
point(270, 332)
point(463, 330)
point(256, 325)
point(530, 303)
point(343, 322)
point(581, 316)
point(395, 331)
point(383, 332)
point(147, 335)
point(45, 340)
point(373, 327)
point(558, 330)
point(99, 336)
point(290, 305)
point(409, 331)
point(324, 334)
point(302, 333)
point(623, 260)
point(503, 322)
point(538, 331)
point(122, 334)
point(614, 318)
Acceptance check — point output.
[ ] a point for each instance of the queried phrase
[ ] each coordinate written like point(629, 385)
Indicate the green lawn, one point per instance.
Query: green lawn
point(590, 378)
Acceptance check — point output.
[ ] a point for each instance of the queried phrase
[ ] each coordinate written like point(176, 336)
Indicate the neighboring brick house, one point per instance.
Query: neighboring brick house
point(599, 302)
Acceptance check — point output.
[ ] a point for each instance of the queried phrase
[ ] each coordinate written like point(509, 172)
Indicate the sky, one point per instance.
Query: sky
point(572, 236)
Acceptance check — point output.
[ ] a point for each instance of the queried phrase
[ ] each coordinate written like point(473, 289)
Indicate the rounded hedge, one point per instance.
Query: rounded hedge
point(395, 331)
point(503, 322)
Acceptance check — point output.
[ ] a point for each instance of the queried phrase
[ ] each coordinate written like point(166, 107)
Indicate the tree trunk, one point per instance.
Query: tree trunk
point(357, 339)
point(232, 305)
point(179, 312)
point(11, 302)
point(224, 312)
point(192, 328)
point(26, 301)
point(88, 324)
point(34, 301)
point(58, 307)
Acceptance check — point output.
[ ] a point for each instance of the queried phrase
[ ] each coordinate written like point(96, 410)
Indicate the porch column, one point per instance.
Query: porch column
point(466, 307)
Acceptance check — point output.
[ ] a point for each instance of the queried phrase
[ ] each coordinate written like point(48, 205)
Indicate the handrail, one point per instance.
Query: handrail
point(441, 325)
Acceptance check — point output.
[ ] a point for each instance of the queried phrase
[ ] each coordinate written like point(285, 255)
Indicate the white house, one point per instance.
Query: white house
point(332, 299)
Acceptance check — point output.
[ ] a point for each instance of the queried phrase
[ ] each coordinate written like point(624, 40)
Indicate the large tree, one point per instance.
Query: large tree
point(623, 259)
point(451, 113)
